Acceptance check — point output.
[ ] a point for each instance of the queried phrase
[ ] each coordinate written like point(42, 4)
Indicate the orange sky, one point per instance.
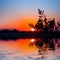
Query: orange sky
point(21, 22)
point(16, 14)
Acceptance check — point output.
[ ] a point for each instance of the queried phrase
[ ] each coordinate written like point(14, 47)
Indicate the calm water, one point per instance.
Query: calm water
point(29, 49)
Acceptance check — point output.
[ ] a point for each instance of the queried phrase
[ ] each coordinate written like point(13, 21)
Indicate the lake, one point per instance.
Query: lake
point(30, 49)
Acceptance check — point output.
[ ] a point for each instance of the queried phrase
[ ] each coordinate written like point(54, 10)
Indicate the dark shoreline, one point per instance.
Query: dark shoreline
point(28, 34)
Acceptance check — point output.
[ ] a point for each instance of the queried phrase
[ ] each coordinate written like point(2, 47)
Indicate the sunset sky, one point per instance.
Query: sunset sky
point(16, 14)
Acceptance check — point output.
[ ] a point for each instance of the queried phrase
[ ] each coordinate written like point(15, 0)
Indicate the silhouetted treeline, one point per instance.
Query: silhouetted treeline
point(9, 31)
point(15, 34)
point(44, 24)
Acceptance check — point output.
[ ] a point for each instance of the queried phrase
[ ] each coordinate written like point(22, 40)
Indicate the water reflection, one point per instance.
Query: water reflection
point(44, 45)
point(30, 49)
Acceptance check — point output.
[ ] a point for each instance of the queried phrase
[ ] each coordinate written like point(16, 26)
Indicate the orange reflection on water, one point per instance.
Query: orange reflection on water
point(18, 45)
point(21, 47)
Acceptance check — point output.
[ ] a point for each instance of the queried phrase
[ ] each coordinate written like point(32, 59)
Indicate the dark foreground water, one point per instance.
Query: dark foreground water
point(30, 49)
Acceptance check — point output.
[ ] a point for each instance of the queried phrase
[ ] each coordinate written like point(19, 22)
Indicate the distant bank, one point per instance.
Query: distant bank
point(5, 34)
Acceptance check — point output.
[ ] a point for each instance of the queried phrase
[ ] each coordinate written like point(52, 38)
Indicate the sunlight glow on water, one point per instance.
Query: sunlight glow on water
point(20, 50)
point(32, 40)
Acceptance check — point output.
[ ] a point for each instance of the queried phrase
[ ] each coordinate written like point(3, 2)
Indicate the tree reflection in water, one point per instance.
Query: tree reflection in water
point(43, 45)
